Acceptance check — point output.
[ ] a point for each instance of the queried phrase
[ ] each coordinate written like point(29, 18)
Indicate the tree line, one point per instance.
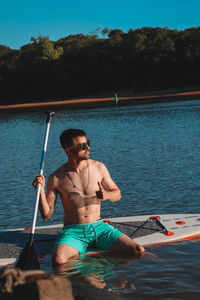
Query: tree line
point(111, 60)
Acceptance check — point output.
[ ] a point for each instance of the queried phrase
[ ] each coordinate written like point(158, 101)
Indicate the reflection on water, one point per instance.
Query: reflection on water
point(152, 153)
point(164, 272)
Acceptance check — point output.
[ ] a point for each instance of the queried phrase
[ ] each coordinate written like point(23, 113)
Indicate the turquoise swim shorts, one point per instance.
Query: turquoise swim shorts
point(84, 237)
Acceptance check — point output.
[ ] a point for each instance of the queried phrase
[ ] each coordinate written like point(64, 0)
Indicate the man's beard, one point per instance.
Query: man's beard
point(85, 157)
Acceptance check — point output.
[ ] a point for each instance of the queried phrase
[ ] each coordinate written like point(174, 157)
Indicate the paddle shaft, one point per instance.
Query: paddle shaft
point(28, 259)
point(44, 149)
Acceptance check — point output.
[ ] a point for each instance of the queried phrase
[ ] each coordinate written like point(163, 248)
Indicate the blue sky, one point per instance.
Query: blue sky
point(22, 19)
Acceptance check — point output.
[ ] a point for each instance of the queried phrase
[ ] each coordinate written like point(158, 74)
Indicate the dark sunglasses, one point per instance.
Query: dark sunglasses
point(83, 146)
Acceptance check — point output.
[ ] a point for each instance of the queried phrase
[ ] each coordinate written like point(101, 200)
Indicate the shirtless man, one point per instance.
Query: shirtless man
point(82, 184)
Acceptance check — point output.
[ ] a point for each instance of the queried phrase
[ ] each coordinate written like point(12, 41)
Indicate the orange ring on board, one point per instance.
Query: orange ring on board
point(168, 233)
point(27, 229)
point(154, 218)
point(107, 221)
point(180, 222)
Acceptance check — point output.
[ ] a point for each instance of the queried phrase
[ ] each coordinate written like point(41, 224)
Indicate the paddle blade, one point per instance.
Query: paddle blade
point(28, 259)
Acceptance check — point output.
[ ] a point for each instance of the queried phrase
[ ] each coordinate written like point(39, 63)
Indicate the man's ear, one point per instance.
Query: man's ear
point(68, 151)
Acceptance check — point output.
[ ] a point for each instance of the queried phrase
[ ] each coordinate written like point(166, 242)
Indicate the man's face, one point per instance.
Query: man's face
point(80, 148)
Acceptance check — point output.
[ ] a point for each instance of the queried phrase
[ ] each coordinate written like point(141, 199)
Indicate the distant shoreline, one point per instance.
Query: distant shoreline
point(152, 97)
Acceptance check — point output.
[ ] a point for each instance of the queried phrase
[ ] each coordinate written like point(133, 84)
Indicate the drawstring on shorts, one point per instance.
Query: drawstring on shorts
point(84, 232)
point(95, 234)
point(85, 235)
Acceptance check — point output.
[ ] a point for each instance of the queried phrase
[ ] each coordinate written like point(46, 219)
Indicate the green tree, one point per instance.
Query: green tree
point(46, 48)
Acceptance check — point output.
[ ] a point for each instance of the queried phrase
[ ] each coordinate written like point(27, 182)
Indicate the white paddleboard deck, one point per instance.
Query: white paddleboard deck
point(180, 227)
point(145, 230)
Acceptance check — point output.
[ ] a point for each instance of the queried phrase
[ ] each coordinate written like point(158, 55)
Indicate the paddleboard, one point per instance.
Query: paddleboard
point(147, 230)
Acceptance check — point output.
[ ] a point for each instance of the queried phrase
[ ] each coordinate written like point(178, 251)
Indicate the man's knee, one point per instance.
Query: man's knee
point(124, 244)
point(135, 249)
point(139, 249)
point(63, 253)
point(59, 259)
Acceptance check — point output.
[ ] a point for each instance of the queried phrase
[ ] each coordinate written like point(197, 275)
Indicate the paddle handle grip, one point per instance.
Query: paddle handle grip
point(44, 149)
point(50, 116)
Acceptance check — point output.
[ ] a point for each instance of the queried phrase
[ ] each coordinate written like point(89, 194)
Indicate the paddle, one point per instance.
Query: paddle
point(28, 259)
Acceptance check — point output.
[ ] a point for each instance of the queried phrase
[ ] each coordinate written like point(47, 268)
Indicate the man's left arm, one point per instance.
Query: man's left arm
point(111, 191)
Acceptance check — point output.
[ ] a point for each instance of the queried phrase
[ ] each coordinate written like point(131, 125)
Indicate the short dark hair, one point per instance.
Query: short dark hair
point(67, 136)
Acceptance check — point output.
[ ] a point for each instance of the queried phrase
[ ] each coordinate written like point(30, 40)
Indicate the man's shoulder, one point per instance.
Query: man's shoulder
point(96, 163)
point(58, 172)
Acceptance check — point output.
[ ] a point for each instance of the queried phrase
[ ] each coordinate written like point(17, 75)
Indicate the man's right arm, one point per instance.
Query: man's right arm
point(47, 201)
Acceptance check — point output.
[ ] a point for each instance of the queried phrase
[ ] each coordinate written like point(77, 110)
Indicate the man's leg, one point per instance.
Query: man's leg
point(62, 253)
point(126, 245)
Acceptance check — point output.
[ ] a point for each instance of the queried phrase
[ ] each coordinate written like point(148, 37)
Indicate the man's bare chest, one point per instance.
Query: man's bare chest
point(84, 184)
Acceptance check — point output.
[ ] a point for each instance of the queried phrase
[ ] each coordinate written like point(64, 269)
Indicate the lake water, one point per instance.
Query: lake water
point(152, 153)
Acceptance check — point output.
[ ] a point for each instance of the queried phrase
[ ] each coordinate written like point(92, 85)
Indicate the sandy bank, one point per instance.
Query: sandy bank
point(106, 101)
